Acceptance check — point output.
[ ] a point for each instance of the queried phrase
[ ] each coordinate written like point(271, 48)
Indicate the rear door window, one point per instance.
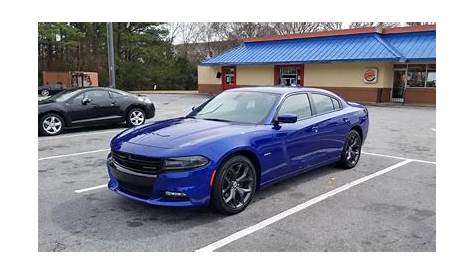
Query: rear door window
point(322, 103)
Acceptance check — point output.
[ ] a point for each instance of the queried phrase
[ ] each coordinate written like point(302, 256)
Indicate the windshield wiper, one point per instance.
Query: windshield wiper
point(216, 119)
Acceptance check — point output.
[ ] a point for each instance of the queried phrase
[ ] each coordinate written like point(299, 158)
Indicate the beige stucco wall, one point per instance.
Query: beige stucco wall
point(318, 75)
point(255, 75)
point(207, 75)
point(346, 75)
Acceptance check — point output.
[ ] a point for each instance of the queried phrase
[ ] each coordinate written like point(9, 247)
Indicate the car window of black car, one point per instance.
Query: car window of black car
point(97, 95)
point(77, 99)
point(323, 103)
point(296, 104)
point(114, 94)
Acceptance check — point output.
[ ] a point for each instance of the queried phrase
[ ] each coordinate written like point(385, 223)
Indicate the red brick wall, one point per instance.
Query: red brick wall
point(422, 96)
point(355, 94)
point(209, 88)
point(425, 96)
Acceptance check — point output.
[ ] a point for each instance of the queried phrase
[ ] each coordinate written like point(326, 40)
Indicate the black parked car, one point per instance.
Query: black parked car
point(92, 106)
point(50, 90)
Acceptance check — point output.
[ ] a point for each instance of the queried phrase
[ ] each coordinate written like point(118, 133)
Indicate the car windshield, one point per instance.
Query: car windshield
point(64, 95)
point(237, 106)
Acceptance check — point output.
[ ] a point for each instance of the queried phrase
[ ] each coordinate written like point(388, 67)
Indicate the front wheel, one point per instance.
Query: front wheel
point(45, 92)
point(234, 185)
point(352, 149)
point(136, 117)
point(51, 124)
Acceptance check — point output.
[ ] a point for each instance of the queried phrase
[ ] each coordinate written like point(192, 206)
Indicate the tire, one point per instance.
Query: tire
point(227, 183)
point(51, 124)
point(136, 117)
point(45, 92)
point(352, 150)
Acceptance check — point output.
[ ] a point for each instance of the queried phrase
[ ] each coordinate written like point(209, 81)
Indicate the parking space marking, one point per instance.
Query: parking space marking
point(249, 230)
point(399, 158)
point(90, 188)
point(72, 154)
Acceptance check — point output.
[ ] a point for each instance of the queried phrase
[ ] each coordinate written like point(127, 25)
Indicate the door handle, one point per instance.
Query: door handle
point(314, 129)
point(346, 120)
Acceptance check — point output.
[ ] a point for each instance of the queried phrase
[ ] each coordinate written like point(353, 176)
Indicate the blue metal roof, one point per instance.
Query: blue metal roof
point(414, 46)
point(348, 48)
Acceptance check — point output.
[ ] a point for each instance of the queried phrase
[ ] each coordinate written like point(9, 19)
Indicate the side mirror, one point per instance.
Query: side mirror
point(86, 101)
point(287, 118)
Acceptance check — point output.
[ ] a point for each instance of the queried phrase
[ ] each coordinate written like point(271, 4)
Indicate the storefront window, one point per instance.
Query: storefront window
point(290, 76)
point(421, 75)
point(431, 76)
point(416, 75)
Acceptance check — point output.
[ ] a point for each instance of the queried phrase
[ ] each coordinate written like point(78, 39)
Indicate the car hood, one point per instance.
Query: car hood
point(181, 132)
point(45, 101)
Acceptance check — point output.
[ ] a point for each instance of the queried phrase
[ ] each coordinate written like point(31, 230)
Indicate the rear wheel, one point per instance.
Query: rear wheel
point(234, 186)
point(352, 149)
point(136, 117)
point(51, 124)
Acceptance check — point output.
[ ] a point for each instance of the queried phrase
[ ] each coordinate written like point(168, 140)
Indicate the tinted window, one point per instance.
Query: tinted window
point(114, 94)
point(97, 95)
point(65, 95)
point(336, 104)
point(322, 103)
point(296, 104)
point(237, 106)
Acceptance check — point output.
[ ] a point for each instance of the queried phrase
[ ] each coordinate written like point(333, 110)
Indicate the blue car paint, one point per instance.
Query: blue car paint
point(280, 151)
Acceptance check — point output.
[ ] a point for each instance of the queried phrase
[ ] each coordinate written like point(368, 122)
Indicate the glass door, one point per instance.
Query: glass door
point(229, 77)
point(399, 84)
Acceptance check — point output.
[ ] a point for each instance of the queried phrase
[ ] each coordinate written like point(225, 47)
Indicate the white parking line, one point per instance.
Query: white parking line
point(73, 154)
point(249, 230)
point(90, 188)
point(399, 158)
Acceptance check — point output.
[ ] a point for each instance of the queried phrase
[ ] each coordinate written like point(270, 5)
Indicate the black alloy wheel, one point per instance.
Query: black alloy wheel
point(234, 185)
point(352, 150)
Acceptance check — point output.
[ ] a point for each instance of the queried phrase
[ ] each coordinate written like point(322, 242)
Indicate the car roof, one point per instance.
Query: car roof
point(281, 89)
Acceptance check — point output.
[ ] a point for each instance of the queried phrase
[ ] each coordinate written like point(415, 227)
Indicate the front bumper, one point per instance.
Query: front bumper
point(151, 189)
point(150, 111)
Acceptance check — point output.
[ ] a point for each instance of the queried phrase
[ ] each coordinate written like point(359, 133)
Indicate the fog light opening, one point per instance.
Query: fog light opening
point(175, 195)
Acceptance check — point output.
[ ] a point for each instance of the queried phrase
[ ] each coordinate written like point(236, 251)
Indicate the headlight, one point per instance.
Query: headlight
point(144, 99)
point(179, 163)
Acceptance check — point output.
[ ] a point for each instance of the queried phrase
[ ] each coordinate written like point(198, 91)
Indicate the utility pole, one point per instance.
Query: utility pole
point(110, 54)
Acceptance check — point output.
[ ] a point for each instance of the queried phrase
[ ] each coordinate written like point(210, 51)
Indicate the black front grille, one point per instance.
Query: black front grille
point(138, 163)
point(134, 188)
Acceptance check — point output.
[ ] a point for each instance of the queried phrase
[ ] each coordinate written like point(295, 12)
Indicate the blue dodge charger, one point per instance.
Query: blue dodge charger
point(239, 141)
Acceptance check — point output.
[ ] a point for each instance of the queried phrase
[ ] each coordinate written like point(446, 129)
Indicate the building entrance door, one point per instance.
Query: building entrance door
point(229, 77)
point(399, 85)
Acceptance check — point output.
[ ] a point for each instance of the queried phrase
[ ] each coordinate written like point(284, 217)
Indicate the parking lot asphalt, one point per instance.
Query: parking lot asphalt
point(362, 209)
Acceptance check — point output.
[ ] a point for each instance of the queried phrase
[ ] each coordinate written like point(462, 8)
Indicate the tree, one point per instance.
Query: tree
point(302, 27)
point(356, 25)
